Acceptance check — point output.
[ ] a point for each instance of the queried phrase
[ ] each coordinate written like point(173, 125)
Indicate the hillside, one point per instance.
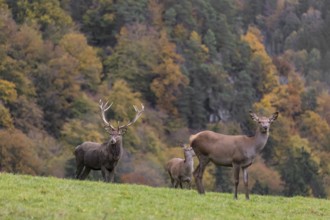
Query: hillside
point(194, 64)
point(28, 197)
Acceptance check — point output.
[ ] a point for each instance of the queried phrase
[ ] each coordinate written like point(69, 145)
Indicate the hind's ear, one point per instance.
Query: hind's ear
point(254, 116)
point(184, 146)
point(273, 117)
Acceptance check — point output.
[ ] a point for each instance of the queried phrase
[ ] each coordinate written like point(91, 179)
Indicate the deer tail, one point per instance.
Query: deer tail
point(192, 138)
point(75, 150)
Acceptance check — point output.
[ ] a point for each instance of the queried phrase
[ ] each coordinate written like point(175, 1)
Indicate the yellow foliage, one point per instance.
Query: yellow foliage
point(123, 99)
point(76, 131)
point(261, 62)
point(5, 117)
point(254, 38)
point(166, 85)
point(109, 17)
point(180, 32)
point(7, 91)
point(89, 64)
point(314, 128)
point(203, 50)
point(323, 105)
point(298, 142)
point(194, 36)
point(286, 98)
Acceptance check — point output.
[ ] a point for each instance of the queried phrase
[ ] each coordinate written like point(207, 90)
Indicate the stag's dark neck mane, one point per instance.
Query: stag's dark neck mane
point(114, 149)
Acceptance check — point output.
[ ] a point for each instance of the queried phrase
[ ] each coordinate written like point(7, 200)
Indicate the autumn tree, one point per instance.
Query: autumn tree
point(17, 153)
point(133, 58)
point(58, 77)
point(7, 91)
point(315, 129)
point(261, 68)
point(98, 21)
point(301, 176)
point(52, 20)
point(169, 78)
point(323, 105)
point(89, 64)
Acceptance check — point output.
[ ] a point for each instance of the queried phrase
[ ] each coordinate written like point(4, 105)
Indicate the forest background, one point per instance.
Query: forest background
point(194, 64)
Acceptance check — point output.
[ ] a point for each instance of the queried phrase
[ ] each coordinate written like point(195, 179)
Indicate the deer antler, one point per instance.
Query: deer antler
point(138, 114)
point(105, 107)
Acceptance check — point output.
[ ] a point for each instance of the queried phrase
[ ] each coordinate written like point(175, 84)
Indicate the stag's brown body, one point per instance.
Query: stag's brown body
point(237, 151)
point(180, 170)
point(95, 156)
point(104, 157)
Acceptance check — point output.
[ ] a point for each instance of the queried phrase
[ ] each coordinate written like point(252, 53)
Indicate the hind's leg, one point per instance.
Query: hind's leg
point(199, 171)
point(245, 180)
point(181, 184)
point(236, 178)
point(172, 179)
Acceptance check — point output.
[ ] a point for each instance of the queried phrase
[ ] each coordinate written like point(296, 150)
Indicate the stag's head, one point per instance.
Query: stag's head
point(264, 122)
point(116, 133)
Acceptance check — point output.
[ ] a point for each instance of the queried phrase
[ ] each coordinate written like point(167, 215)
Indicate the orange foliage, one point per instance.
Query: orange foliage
point(285, 98)
point(261, 62)
point(17, 154)
point(315, 129)
point(323, 105)
point(166, 85)
point(265, 175)
point(156, 9)
point(144, 171)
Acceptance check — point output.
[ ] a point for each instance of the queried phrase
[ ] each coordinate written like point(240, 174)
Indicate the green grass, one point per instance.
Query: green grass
point(27, 197)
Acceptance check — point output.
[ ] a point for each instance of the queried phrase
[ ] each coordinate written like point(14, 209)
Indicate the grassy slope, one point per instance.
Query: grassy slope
point(27, 197)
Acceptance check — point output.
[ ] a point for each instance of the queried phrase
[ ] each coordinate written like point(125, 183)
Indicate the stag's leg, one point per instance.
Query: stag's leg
point(85, 173)
point(112, 175)
point(236, 178)
point(245, 180)
point(199, 171)
point(176, 183)
point(189, 184)
point(105, 174)
point(80, 167)
point(181, 184)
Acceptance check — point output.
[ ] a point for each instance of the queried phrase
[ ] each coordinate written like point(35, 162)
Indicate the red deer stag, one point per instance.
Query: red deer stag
point(237, 151)
point(104, 157)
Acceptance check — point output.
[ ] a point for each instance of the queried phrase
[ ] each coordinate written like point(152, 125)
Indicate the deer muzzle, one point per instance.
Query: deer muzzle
point(113, 140)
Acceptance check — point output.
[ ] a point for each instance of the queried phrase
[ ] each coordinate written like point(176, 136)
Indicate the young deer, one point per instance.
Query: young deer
point(237, 151)
point(180, 170)
point(104, 157)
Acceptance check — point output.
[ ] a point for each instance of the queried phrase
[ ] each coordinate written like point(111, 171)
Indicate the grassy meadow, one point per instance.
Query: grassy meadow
point(28, 197)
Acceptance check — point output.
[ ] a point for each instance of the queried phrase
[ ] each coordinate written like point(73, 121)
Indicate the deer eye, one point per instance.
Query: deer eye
point(122, 131)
